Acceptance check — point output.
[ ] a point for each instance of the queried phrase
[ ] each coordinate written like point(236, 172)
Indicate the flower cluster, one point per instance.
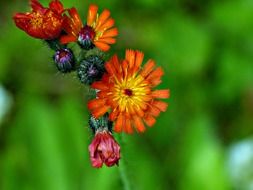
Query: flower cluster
point(125, 99)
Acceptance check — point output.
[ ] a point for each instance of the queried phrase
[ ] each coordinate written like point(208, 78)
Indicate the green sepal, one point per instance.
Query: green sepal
point(102, 123)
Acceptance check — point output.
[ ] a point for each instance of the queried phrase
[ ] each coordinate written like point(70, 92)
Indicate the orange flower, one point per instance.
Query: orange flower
point(41, 22)
point(127, 90)
point(98, 30)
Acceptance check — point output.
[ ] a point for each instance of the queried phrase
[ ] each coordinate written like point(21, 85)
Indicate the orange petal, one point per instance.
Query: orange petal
point(148, 67)
point(143, 105)
point(76, 20)
point(113, 115)
point(95, 103)
point(154, 111)
point(139, 124)
point(99, 85)
point(110, 69)
point(102, 18)
point(112, 103)
point(107, 40)
point(107, 25)
point(118, 124)
point(125, 68)
point(145, 98)
point(115, 61)
point(156, 74)
point(98, 112)
point(129, 128)
point(161, 93)
point(67, 39)
point(124, 123)
point(92, 14)
point(155, 82)
point(138, 60)
point(160, 105)
point(102, 46)
point(149, 120)
point(139, 111)
point(102, 94)
point(130, 57)
point(131, 110)
point(110, 33)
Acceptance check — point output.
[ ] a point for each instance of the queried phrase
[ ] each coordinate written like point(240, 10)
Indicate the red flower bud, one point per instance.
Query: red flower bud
point(104, 149)
point(41, 22)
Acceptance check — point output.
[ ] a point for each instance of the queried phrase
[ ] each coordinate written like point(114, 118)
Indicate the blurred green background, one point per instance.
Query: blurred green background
point(204, 140)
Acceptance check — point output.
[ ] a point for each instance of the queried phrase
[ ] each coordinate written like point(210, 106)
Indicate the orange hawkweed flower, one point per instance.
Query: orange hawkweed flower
point(127, 90)
point(98, 30)
point(41, 22)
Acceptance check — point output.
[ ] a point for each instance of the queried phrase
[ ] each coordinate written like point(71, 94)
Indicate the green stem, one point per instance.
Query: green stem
point(124, 175)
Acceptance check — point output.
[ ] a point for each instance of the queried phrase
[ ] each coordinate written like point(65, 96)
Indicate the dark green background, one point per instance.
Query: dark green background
point(206, 50)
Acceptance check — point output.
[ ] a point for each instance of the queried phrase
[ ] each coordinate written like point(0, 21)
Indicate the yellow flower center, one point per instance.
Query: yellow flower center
point(130, 92)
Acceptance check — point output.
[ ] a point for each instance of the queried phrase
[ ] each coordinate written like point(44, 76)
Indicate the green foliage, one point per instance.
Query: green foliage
point(206, 50)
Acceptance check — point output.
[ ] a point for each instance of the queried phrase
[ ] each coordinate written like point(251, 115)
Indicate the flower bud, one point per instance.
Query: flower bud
point(104, 149)
point(91, 69)
point(85, 37)
point(64, 60)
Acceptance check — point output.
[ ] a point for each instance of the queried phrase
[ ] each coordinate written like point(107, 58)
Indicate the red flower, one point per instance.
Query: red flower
point(41, 22)
point(104, 149)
